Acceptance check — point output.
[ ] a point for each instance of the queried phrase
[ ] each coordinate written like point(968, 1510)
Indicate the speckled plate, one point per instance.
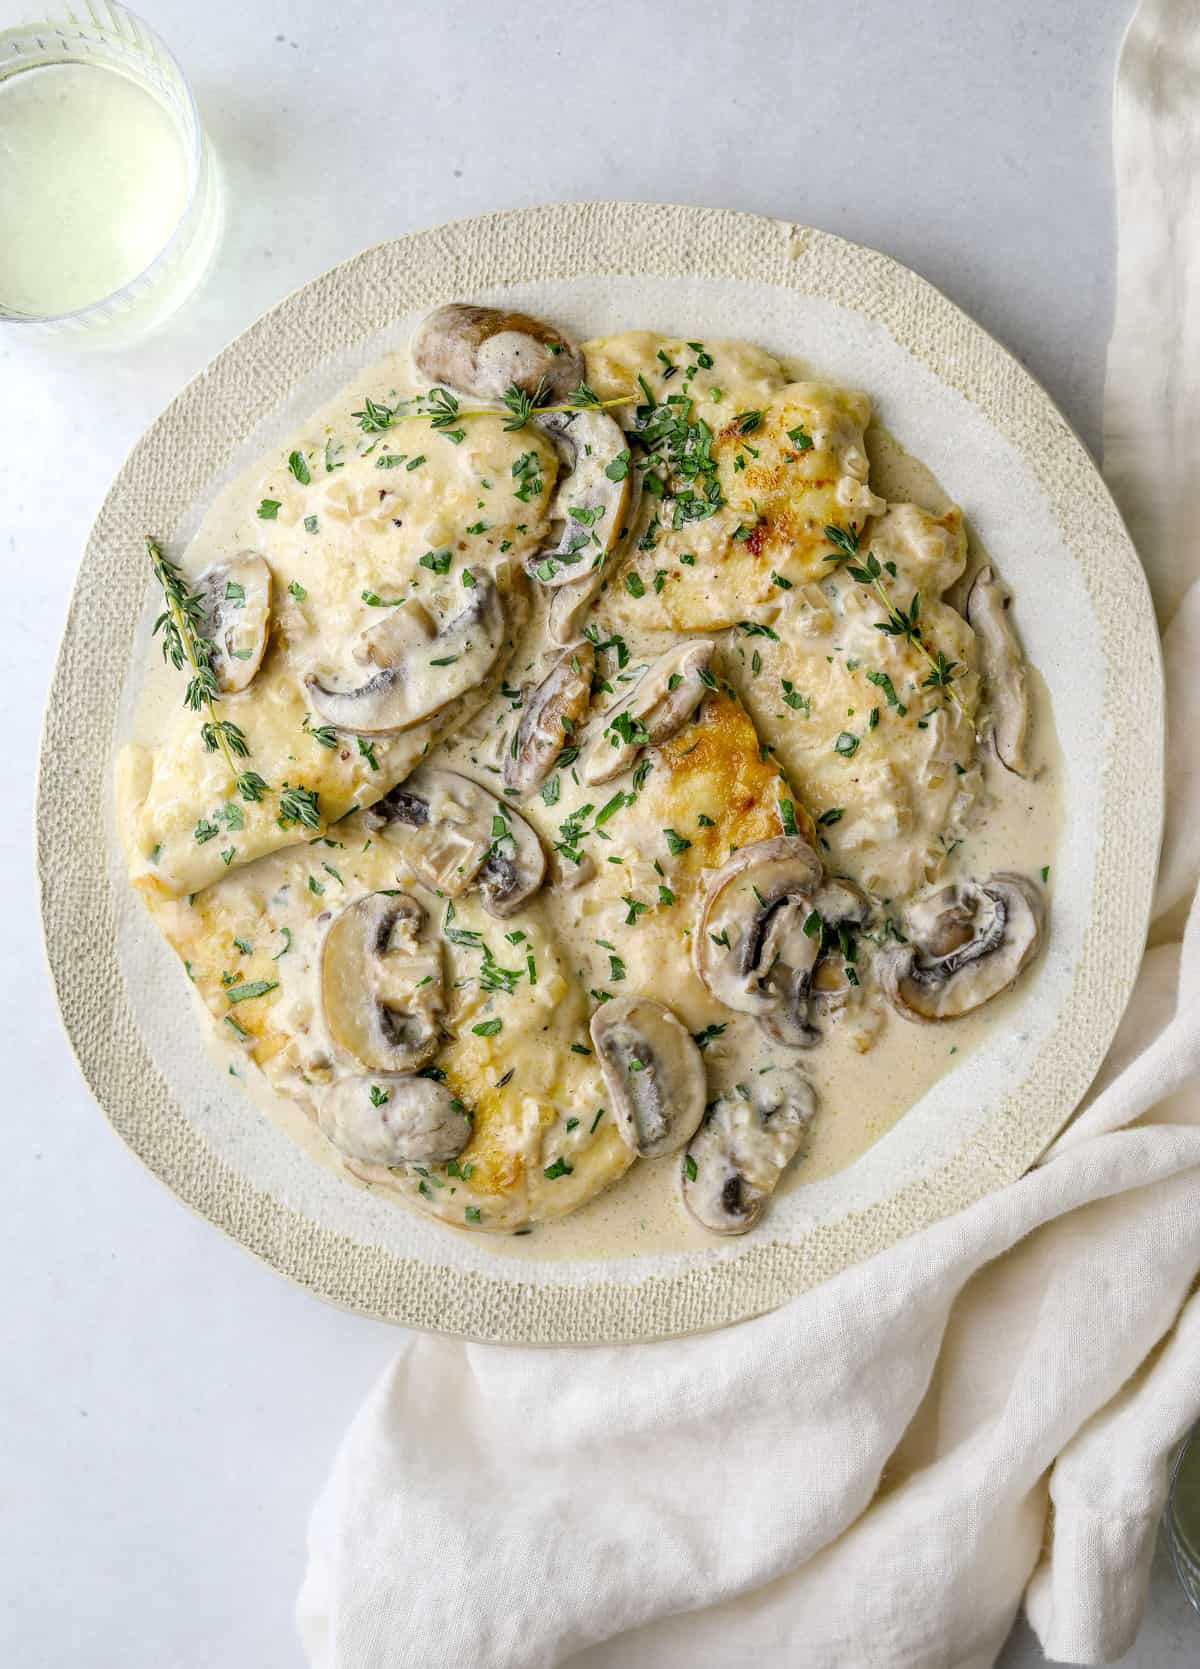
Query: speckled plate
point(955, 399)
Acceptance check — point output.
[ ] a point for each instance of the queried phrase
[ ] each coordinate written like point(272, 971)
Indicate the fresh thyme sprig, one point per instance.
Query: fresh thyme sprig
point(443, 410)
point(521, 406)
point(900, 622)
point(184, 644)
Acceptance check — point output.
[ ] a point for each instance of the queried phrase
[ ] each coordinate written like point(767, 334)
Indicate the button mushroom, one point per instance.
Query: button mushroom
point(1002, 664)
point(842, 906)
point(514, 868)
point(484, 351)
point(653, 1071)
point(391, 1120)
point(590, 502)
point(569, 604)
point(381, 983)
point(743, 1148)
point(968, 942)
point(418, 674)
point(660, 703)
point(456, 833)
point(549, 718)
point(759, 934)
point(236, 596)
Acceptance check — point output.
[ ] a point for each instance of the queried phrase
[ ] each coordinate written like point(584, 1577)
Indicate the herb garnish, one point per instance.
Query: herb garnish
point(253, 988)
point(184, 643)
point(901, 622)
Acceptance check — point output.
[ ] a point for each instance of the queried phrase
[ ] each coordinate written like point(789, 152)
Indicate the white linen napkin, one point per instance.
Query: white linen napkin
point(866, 1476)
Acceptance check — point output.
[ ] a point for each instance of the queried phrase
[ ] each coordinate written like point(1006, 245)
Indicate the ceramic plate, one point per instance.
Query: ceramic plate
point(954, 398)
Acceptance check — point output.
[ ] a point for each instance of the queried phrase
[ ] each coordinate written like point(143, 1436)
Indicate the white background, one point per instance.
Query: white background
point(168, 1408)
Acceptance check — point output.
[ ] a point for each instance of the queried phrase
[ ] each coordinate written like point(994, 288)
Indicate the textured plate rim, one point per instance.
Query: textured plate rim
point(352, 301)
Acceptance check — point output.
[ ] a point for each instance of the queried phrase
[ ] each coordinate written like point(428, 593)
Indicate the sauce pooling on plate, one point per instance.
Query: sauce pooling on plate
point(645, 776)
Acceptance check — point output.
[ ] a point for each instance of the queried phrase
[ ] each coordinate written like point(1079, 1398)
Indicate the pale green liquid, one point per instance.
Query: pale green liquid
point(93, 180)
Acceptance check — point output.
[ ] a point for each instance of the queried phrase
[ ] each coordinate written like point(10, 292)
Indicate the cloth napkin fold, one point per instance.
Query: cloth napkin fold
point(866, 1476)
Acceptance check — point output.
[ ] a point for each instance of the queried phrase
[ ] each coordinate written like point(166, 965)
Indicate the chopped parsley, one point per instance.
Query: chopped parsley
point(254, 988)
point(619, 468)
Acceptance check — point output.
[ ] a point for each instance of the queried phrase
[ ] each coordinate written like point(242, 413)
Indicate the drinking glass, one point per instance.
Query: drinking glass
point(110, 203)
point(1183, 1518)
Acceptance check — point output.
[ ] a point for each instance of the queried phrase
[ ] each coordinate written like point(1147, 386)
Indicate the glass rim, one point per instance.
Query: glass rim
point(1184, 1557)
point(195, 157)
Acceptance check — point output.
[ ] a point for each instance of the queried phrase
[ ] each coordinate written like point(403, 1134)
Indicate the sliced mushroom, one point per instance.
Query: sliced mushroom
point(483, 351)
point(590, 503)
point(394, 1120)
point(457, 833)
point(841, 906)
point(381, 983)
point(1002, 663)
point(759, 934)
point(569, 604)
point(968, 942)
point(515, 867)
point(660, 703)
point(237, 617)
point(550, 717)
point(571, 600)
point(743, 1148)
point(402, 630)
point(654, 1073)
point(418, 674)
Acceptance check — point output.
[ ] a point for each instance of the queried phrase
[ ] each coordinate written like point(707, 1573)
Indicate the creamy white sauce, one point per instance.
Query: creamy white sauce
point(862, 1093)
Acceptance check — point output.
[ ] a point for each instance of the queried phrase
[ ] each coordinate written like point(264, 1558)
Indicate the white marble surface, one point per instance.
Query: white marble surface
point(169, 1407)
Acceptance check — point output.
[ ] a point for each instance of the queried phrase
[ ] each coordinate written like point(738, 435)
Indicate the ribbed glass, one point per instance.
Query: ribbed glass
point(105, 34)
point(1183, 1518)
